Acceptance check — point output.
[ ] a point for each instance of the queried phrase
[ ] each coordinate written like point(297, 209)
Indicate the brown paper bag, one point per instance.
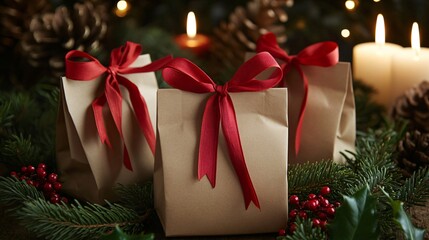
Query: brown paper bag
point(329, 125)
point(88, 168)
point(187, 206)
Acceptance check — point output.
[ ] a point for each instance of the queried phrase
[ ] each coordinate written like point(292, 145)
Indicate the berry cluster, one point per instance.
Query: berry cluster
point(39, 178)
point(316, 207)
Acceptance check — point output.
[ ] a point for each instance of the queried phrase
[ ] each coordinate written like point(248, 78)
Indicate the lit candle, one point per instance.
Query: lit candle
point(372, 63)
point(410, 66)
point(198, 43)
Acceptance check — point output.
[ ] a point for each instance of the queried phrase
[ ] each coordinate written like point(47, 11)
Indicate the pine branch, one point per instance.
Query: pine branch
point(19, 150)
point(311, 177)
point(368, 113)
point(14, 192)
point(305, 230)
point(415, 190)
point(136, 196)
point(75, 221)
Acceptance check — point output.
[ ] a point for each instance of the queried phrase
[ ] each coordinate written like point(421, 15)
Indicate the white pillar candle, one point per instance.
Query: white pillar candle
point(372, 63)
point(410, 66)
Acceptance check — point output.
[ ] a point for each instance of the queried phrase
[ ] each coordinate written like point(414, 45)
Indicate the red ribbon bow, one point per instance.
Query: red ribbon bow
point(183, 74)
point(120, 60)
point(323, 54)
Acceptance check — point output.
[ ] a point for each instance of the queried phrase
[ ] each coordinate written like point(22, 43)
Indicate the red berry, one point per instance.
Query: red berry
point(29, 182)
point(31, 169)
point(41, 173)
point(293, 213)
point(337, 204)
point(55, 199)
point(312, 205)
point(324, 203)
point(316, 222)
point(41, 165)
point(311, 196)
point(282, 232)
point(325, 191)
point(292, 228)
point(64, 200)
point(36, 184)
point(322, 215)
point(13, 174)
point(52, 177)
point(323, 224)
point(302, 215)
point(23, 178)
point(330, 211)
point(57, 186)
point(24, 170)
point(47, 187)
point(294, 200)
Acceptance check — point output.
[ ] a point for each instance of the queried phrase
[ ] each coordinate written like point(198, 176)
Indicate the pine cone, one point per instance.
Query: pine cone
point(15, 17)
point(413, 152)
point(234, 38)
point(52, 35)
point(414, 107)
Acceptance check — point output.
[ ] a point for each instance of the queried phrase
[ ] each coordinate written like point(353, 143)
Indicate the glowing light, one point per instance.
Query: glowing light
point(350, 4)
point(122, 8)
point(415, 38)
point(380, 37)
point(345, 33)
point(122, 5)
point(191, 25)
point(377, 0)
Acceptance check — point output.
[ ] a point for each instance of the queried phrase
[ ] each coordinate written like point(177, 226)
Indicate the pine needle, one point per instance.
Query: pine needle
point(14, 192)
point(55, 221)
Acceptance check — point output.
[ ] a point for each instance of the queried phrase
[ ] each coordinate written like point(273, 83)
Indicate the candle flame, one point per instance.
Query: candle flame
point(191, 25)
point(415, 38)
point(380, 37)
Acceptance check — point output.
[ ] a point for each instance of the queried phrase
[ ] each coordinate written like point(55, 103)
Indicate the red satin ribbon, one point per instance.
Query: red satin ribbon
point(120, 60)
point(323, 54)
point(219, 110)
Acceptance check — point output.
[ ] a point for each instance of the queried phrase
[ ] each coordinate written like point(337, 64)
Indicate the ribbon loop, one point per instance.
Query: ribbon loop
point(219, 110)
point(120, 60)
point(323, 54)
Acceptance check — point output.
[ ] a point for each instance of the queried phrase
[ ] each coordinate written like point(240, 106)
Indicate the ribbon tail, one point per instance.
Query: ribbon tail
point(141, 111)
point(209, 137)
point(232, 137)
point(97, 108)
point(114, 100)
point(302, 110)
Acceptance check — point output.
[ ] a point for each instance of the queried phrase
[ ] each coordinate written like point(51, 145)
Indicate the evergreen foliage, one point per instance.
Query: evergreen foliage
point(369, 115)
point(75, 221)
point(14, 192)
point(27, 120)
point(305, 231)
point(311, 177)
point(137, 196)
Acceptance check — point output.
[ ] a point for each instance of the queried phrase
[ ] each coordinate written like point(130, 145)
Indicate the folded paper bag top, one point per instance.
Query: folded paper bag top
point(90, 168)
point(219, 110)
point(120, 61)
point(323, 54)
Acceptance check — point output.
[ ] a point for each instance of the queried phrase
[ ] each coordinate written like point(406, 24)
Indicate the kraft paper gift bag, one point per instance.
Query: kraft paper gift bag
point(321, 102)
point(245, 188)
point(104, 129)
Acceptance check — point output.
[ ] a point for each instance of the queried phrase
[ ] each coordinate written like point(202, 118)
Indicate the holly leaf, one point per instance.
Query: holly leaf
point(356, 218)
point(401, 219)
point(118, 234)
